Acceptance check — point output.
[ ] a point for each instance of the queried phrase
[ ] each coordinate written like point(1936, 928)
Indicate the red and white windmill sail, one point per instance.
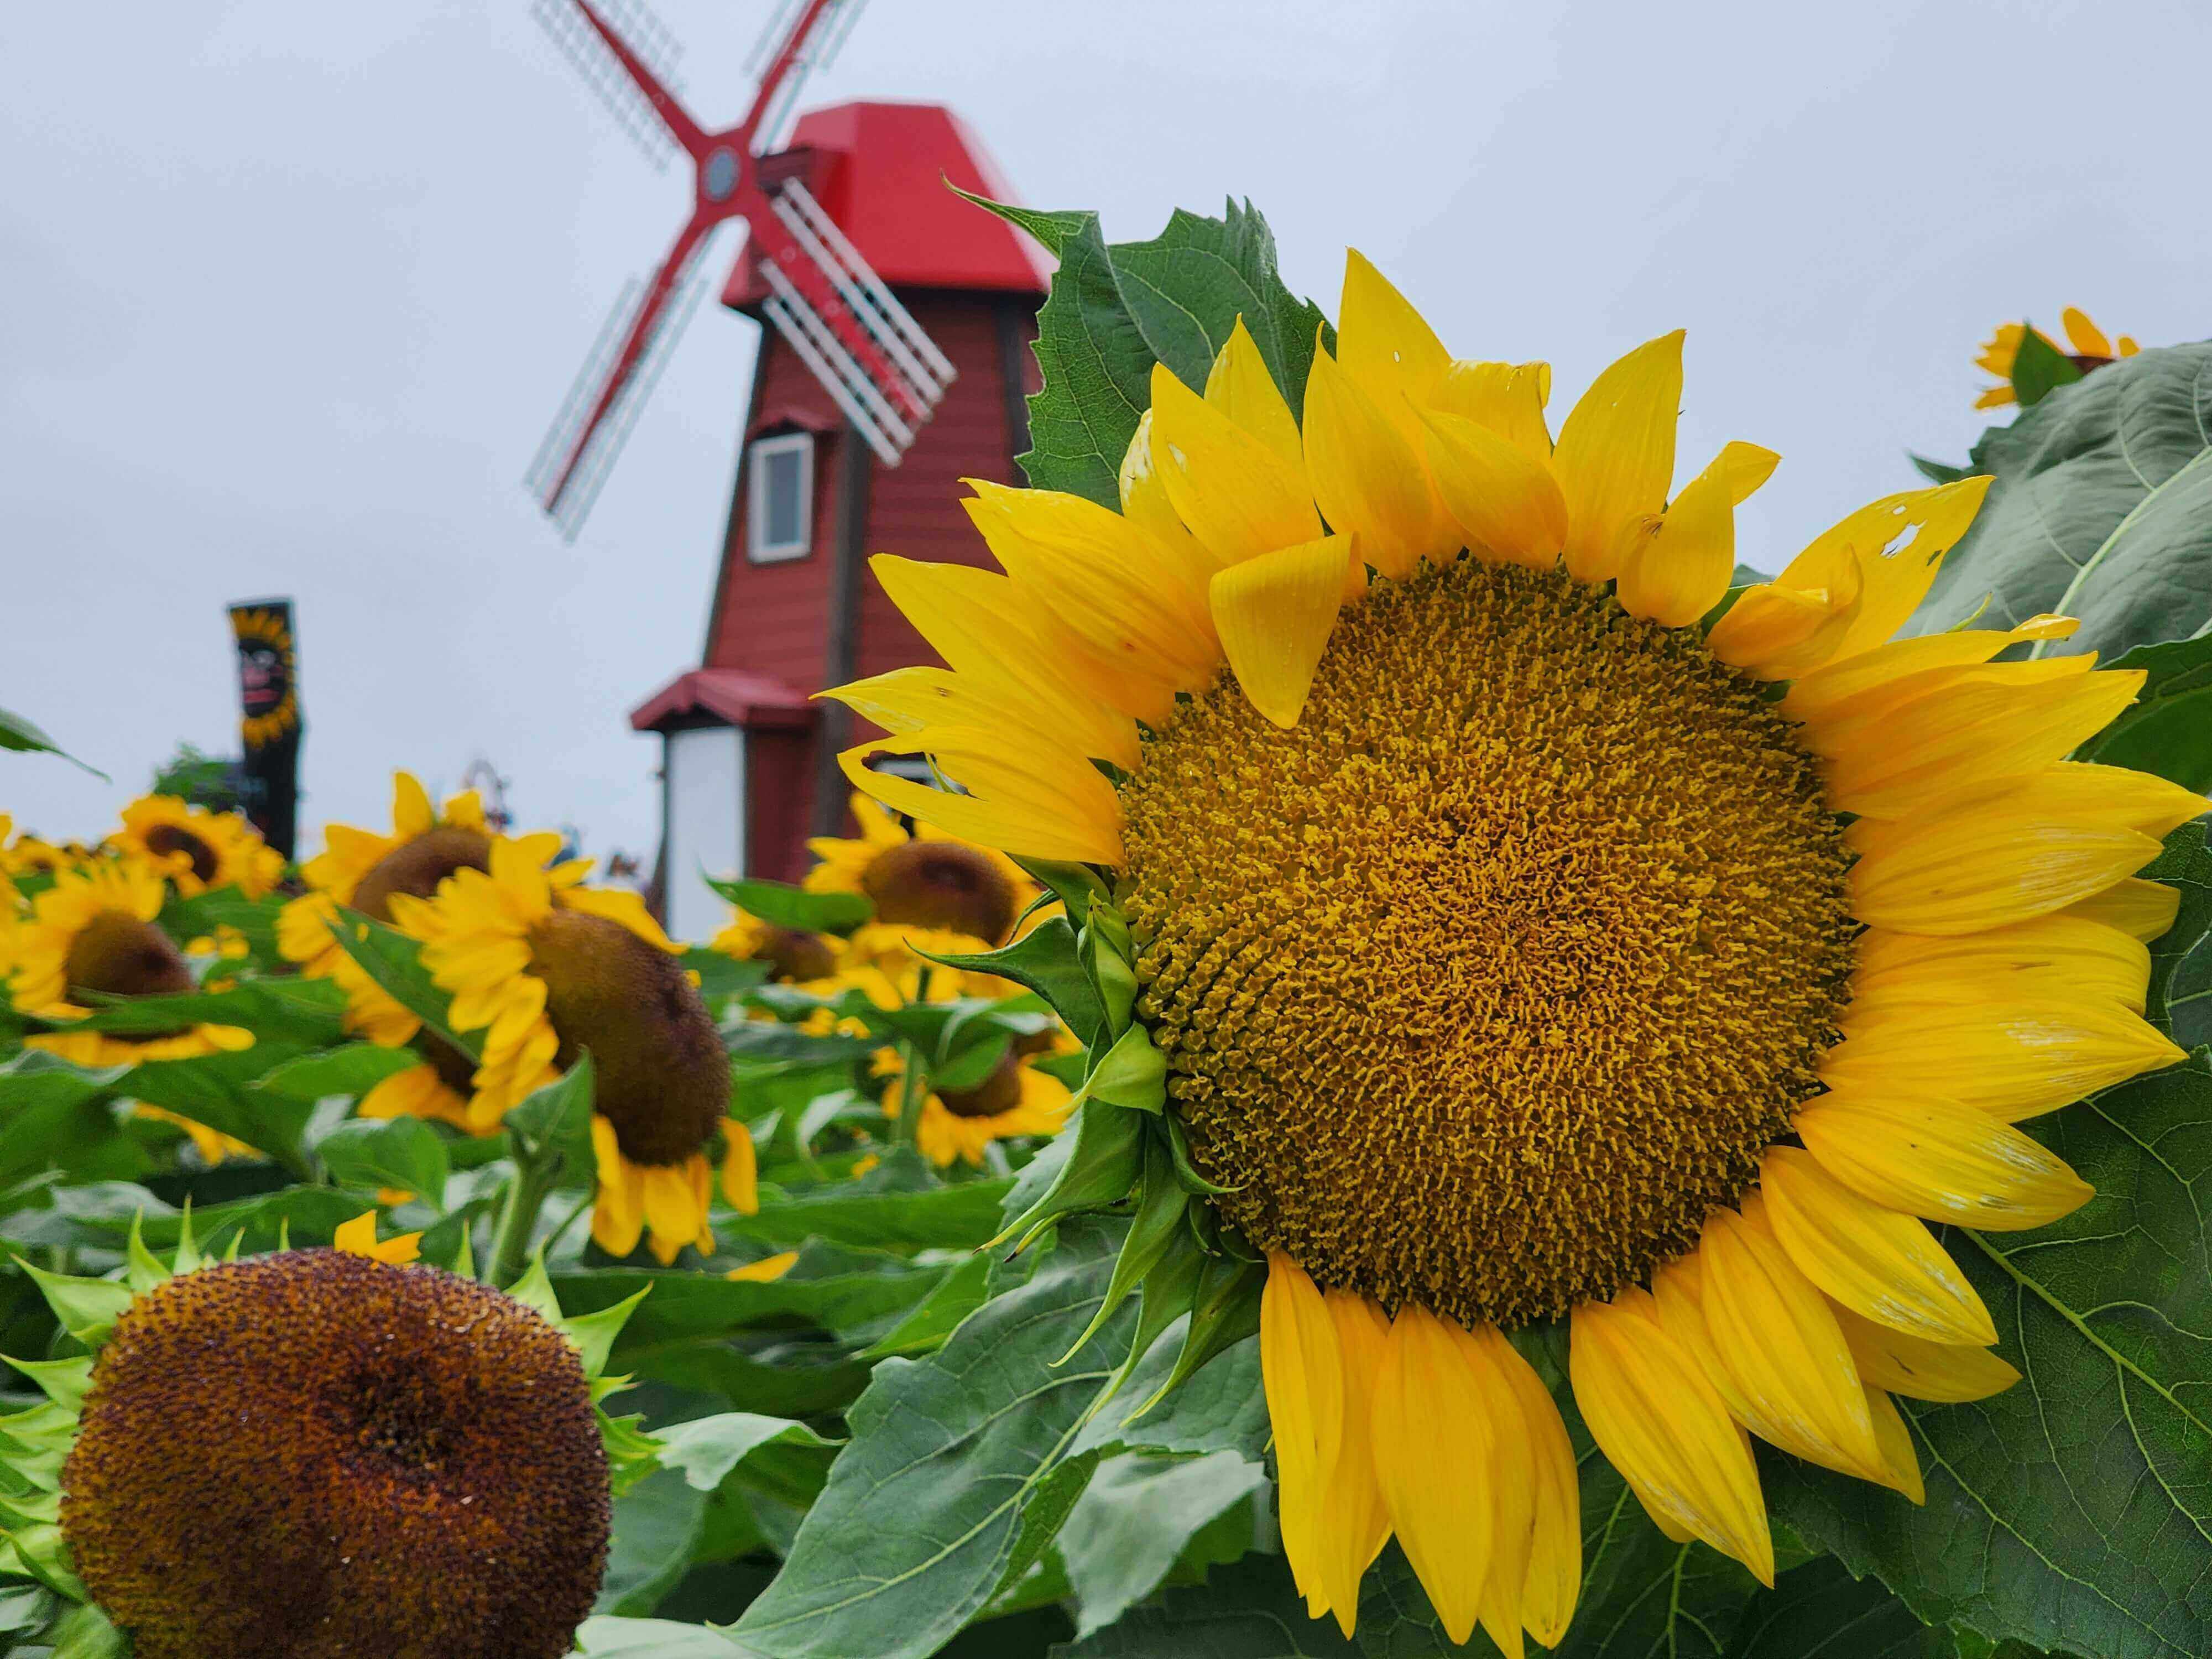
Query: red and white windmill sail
point(882, 370)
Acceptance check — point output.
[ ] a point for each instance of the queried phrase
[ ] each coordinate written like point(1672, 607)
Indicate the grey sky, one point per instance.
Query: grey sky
point(289, 293)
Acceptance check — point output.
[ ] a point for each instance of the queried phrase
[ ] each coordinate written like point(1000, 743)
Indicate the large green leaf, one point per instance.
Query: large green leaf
point(1136, 1521)
point(311, 1012)
point(684, 1310)
point(1115, 311)
point(917, 1525)
point(947, 1218)
point(1818, 1611)
point(609, 1637)
point(217, 1090)
point(19, 734)
point(2102, 509)
point(56, 1117)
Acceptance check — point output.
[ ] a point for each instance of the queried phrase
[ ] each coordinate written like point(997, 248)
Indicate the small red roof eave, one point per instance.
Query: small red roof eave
point(886, 168)
point(744, 699)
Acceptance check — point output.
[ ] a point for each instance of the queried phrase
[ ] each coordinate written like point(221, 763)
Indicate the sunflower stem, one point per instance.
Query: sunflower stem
point(535, 1167)
point(907, 1131)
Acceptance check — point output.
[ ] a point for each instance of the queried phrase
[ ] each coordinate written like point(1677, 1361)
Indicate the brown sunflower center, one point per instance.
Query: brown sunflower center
point(938, 883)
point(662, 1075)
point(795, 957)
point(416, 867)
point(118, 955)
point(1001, 1091)
point(1485, 981)
point(314, 1454)
point(164, 839)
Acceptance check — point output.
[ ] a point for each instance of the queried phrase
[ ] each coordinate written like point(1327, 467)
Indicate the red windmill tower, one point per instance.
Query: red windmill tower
point(894, 361)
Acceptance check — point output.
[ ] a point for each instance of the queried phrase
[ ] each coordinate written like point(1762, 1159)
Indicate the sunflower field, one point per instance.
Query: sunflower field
point(1425, 1055)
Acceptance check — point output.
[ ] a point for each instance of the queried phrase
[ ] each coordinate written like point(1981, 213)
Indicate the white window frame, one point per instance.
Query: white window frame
point(758, 549)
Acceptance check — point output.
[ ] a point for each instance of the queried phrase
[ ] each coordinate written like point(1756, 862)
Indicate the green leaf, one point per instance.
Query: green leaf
point(1113, 311)
point(1940, 472)
point(2102, 509)
point(404, 1152)
point(394, 961)
point(782, 905)
point(656, 1525)
point(2039, 369)
point(1100, 1166)
point(706, 1449)
point(722, 975)
point(87, 1308)
point(2072, 1511)
point(217, 1090)
point(309, 1012)
point(56, 1117)
point(607, 1638)
point(2180, 998)
point(351, 1072)
point(1045, 960)
point(1818, 1607)
point(686, 1310)
point(560, 1113)
point(2168, 730)
point(19, 734)
point(918, 1523)
point(1136, 1519)
point(959, 1218)
point(934, 1318)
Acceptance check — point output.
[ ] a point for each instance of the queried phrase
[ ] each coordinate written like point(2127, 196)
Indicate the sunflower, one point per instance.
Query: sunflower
point(1015, 1098)
point(546, 968)
point(92, 933)
point(1520, 947)
point(2091, 349)
point(923, 879)
point(197, 849)
point(425, 1468)
point(794, 955)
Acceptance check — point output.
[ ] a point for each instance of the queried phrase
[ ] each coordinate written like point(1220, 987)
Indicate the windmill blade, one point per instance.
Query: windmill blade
point(850, 385)
point(928, 369)
point(579, 448)
point(646, 37)
point(823, 37)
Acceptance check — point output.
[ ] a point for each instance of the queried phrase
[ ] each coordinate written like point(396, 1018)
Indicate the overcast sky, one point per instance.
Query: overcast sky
point(290, 292)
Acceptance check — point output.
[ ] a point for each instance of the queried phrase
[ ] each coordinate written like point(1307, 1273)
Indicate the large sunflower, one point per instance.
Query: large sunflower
point(1520, 947)
point(198, 850)
point(2089, 347)
point(547, 969)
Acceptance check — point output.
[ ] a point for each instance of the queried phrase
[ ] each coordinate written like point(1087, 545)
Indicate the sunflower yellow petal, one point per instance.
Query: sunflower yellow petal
point(1963, 874)
point(766, 1271)
point(2058, 955)
point(1615, 456)
point(1773, 1331)
point(1434, 1446)
point(1676, 574)
point(1234, 492)
point(1831, 690)
point(1777, 631)
point(1504, 398)
point(1919, 1369)
point(1930, 1157)
point(2011, 1062)
point(1888, 763)
point(672, 1209)
point(1881, 1265)
point(1368, 476)
point(1385, 345)
point(1899, 542)
point(1303, 1372)
point(411, 811)
point(1512, 1486)
point(1657, 1418)
point(2084, 336)
point(358, 1236)
point(1240, 386)
point(908, 700)
point(1555, 1561)
point(1274, 614)
point(1505, 500)
point(1036, 805)
point(1144, 497)
point(1355, 1525)
point(1901, 1463)
point(2142, 909)
point(740, 1178)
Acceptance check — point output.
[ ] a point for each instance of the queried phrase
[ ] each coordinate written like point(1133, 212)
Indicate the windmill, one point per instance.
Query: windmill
point(877, 364)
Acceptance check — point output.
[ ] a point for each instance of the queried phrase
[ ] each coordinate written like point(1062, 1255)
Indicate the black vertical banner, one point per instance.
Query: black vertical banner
point(269, 694)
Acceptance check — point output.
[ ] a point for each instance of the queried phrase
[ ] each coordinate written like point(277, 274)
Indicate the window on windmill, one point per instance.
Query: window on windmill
point(782, 506)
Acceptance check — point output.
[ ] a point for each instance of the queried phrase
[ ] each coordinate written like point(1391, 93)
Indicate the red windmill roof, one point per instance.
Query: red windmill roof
point(879, 171)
